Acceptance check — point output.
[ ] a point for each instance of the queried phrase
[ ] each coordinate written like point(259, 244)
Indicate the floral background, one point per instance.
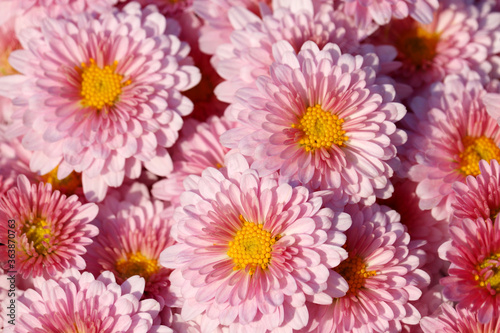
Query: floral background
point(250, 166)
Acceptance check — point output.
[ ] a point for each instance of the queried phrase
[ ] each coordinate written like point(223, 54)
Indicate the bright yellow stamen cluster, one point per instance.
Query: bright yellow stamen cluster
point(137, 264)
point(252, 246)
point(418, 45)
point(476, 149)
point(37, 231)
point(67, 185)
point(321, 129)
point(494, 280)
point(101, 86)
point(353, 270)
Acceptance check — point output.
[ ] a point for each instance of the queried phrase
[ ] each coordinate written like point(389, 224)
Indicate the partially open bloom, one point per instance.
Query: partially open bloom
point(51, 230)
point(479, 196)
point(321, 118)
point(107, 93)
point(196, 150)
point(81, 303)
point(450, 320)
point(133, 230)
point(474, 277)
point(382, 273)
point(450, 133)
point(459, 37)
point(251, 251)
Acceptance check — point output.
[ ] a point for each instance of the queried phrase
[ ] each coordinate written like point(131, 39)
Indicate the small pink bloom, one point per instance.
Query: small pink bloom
point(450, 320)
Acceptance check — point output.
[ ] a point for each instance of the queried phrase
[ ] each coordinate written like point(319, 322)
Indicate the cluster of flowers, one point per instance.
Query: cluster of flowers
point(250, 166)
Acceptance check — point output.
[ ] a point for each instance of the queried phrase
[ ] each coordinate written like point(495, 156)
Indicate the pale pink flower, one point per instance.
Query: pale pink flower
point(382, 273)
point(81, 303)
point(52, 230)
point(169, 8)
point(450, 132)
point(321, 118)
point(479, 196)
point(474, 277)
point(249, 54)
point(133, 231)
point(110, 133)
point(197, 149)
point(459, 37)
point(450, 320)
point(251, 251)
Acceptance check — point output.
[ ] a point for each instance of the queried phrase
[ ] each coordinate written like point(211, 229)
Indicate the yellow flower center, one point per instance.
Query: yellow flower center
point(492, 266)
point(67, 185)
point(353, 270)
point(321, 129)
point(37, 231)
point(418, 45)
point(101, 86)
point(252, 246)
point(137, 264)
point(476, 149)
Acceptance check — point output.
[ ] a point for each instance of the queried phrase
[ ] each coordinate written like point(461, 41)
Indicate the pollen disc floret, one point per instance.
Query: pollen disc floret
point(250, 249)
point(101, 86)
point(137, 264)
point(476, 149)
point(355, 272)
point(321, 129)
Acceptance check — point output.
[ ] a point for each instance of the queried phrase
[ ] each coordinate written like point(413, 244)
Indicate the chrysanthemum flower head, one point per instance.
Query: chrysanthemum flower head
point(382, 273)
point(474, 277)
point(459, 37)
point(107, 93)
point(450, 133)
point(250, 55)
point(51, 230)
point(321, 118)
point(133, 230)
point(251, 251)
point(367, 11)
point(81, 303)
point(197, 149)
point(450, 320)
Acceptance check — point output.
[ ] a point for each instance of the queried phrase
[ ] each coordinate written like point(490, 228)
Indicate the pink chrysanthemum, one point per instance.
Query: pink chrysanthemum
point(479, 196)
point(52, 230)
point(382, 273)
point(101, 96)
point(250, 251)
point(382, 11)
point(81, 303)
point(250, 55)
point(169, 8)
point(322, 118)
point(450, 132)
point(449, 320)
point(198, 149)
point(133, 231)
point(459, 37)
point(474, 277)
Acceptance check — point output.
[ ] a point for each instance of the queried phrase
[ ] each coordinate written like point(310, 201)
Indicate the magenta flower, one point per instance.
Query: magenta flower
point(459, 37)
point(450, 320)
point(249, 54)
point(474, 278)
point(382, 273)
point(51, 229)
point(251, 251)
point(133, 231)
point(382, 11)
point(323, 119)
point(81, 303)
point(107, 95)
point(450, 133)
point(196, 150)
